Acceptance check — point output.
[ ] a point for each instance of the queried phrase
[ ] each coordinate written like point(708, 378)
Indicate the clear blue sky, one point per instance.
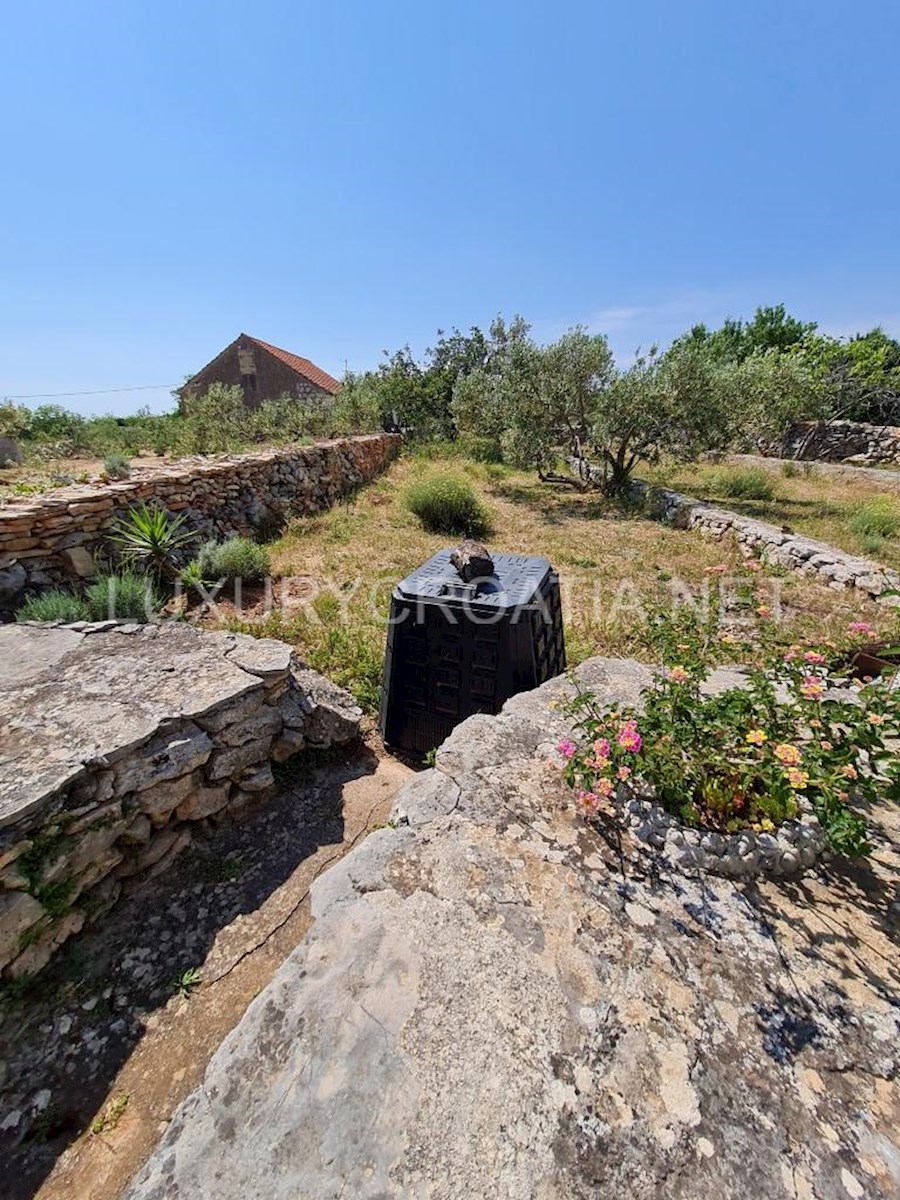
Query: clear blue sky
point(344, 178)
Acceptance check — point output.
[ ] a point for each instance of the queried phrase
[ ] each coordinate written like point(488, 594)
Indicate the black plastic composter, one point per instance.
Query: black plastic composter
point(457, 647)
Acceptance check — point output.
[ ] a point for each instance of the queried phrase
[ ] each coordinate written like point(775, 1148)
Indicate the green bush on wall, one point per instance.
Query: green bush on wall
point(238, 558)
point(53, 606)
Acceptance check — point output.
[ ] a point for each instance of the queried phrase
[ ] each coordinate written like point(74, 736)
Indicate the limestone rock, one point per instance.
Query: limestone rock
point(19, 912)
point(494, 1003)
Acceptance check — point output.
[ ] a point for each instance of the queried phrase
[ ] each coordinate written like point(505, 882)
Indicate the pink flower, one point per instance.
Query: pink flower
point(792, 653)
point(623, 772)
point(629, 738)
point(588, 803)
point(812, 687)
point(605, 787)
point(601, 748)
point(566, 747)
point(813, 657)
point(678, 675)
point(859, 627)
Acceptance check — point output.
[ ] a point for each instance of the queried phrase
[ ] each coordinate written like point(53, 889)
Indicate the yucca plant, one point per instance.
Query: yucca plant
point(150, 537)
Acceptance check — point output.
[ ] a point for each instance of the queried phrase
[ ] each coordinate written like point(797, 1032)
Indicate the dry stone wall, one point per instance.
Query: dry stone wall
point(119, 744)
point(60, 537)
point(842, 441)
point(774, 545)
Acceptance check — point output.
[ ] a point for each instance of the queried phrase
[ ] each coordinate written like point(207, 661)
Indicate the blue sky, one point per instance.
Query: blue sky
point(344, 178)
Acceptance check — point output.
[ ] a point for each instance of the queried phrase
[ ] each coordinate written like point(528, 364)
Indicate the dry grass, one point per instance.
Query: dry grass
point(812, 501)
point(337, 571)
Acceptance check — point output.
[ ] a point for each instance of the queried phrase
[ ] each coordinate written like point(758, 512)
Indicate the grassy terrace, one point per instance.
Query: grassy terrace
point(851, 513)
point(337, 570)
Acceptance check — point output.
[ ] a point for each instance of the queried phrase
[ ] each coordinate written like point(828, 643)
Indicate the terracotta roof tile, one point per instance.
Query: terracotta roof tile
point(302, 366)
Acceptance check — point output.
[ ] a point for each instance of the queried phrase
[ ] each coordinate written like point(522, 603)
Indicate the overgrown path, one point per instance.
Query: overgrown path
point(109, 1044)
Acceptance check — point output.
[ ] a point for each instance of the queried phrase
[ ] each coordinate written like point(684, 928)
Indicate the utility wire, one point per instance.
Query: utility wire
point(149, 387)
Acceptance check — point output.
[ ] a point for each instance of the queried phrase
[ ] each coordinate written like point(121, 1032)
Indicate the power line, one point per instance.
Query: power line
point(147, 387)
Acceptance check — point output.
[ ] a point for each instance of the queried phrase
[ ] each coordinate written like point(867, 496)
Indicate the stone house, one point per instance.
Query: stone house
point(263, 372)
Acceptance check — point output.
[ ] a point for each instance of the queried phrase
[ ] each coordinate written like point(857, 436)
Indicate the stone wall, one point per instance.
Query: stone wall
point(842, 441)
point(773, 544)
point(60, 536)
point(118, 744)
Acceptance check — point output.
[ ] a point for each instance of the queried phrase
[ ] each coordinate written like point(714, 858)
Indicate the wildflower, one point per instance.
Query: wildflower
point(756, 737)
point(843, 797)
point(566, 747)
point(791, 653)
point(719, 569)
point(753, 565)
point(605, 787)
point(629, 738)
point(826, 745)
point(601, 748)
point(588, 803)
point(876, 719)
point(787, 754)
point(763, 610)
point(850, 771)
point(623, 772)
point(860, 627)
point(766, 825)
point(813, 657)
point(678, 675)
point(796, 778)
point(812, 687)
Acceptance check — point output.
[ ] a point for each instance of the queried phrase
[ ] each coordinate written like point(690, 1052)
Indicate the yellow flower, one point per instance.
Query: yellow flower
point(796, 778)
point(789, 755)
point(766, 825)
point(756, 737)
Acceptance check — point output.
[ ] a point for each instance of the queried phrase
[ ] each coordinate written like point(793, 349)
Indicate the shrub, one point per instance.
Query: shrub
point(447, 504)
point(149, 536)
point(53, 606)
point(115, 466)
point(238, 558)
point(742, 483)
point(126, 596)
point(746, 757)
point(876, 518)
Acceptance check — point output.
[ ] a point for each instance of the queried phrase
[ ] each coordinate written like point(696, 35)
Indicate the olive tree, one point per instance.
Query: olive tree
point(676, 404)
point(533, 402)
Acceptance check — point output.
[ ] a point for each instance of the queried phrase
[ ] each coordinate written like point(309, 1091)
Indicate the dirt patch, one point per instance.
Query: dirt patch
point(112, 1037)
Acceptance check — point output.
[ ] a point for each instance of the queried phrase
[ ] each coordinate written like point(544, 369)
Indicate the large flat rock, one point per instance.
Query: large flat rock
point(71, 697)
point(494, 1002)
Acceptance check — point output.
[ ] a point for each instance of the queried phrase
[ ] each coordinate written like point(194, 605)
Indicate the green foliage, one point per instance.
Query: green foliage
point(116, 466)
point(111, 1115)
point(194, 578)
point(187, 982)
point(772, 328)
point(53, 606)
point(149, 537)
point(742, 483)
point(125, 596)
point(526, 402)
point(446, 503)
point(238, 558)
point(745, 757)
point(876, 518)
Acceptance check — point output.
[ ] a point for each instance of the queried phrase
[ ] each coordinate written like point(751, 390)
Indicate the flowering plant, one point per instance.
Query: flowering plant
point(748, 757)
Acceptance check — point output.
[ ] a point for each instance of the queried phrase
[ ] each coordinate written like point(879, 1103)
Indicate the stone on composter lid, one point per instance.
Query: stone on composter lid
point(472, 560)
